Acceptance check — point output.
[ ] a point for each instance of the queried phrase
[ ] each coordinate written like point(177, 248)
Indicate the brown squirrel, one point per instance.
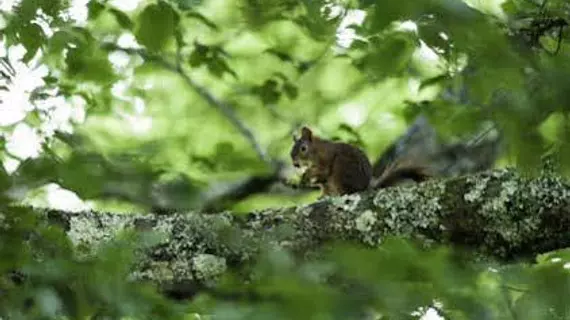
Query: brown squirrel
point(340, 168)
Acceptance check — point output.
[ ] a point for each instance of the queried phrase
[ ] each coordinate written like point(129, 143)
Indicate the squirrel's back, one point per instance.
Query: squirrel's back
point(351, 167)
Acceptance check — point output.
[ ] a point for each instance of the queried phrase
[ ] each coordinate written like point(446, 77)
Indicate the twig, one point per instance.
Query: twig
point(179, 44)
point(225, 108)
point(509, 287)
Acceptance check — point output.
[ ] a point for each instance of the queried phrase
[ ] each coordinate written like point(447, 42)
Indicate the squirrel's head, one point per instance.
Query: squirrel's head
point(302, 148)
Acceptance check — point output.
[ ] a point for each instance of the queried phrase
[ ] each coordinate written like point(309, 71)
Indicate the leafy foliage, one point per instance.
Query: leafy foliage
point(396, 281)
point(42, 277)
point(156, 25)
point(184, 100)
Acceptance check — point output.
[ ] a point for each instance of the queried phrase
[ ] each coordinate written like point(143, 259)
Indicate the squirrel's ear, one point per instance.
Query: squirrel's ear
point(306, 133)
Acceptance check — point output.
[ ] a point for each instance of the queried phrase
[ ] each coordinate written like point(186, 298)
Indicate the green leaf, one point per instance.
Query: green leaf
point(54, 8)
point(59, 41)
point(389, 55)
point(258, 13)
point(34, 118)
point(187, 4)
point(381, 15)
point(32, 37)
point(218, 66)
point(156, 25)
point(290, 90)
point(122, 18)
point(89, 63)
point(213, 56)
point(269, 92)
point(546, 258)
point(26, 10)
point(4, 180)
point(33, 173)
point(202, 18)
point(198, 56)
point(509, 7)
point(552, 128)
point(85, 60)
point(94, 9)
point(317, 20)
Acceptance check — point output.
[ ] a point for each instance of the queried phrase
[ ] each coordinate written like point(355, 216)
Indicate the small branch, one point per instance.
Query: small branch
point(217, 200)
point(179, 44)
point(230, 193)
point(508, 287)
point(225, 108)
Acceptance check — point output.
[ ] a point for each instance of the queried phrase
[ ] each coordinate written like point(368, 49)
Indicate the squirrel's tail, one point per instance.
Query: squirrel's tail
point(421, 145)
point(400, 172)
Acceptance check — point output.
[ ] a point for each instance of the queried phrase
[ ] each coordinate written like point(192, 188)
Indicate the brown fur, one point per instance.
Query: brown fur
point(401, 171)
point(340, 168)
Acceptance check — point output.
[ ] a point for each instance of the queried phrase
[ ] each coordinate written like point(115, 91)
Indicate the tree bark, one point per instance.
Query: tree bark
point(497, 214)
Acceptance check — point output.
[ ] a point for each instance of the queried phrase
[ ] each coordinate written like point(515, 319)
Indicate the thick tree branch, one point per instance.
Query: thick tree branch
point(497, 214)
point(226, 109)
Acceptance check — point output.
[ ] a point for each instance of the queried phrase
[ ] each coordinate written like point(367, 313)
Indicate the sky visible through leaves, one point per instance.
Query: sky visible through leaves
point(25, 142)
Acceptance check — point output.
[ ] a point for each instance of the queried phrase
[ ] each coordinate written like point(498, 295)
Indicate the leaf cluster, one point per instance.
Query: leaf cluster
point(42, 276)
point(398, 280)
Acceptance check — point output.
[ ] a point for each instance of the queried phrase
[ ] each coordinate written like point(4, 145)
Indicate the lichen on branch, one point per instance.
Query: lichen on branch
point(499, 214)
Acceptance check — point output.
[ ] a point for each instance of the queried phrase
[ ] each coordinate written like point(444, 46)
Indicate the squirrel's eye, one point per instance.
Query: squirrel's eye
point(303, 148)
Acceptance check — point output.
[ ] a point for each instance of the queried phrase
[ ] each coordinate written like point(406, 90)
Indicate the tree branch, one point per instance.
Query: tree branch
point(497, 214)
point(226, 109)
point(230, 193)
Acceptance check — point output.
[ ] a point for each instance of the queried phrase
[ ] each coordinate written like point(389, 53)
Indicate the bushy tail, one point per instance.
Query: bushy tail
point(419, 155)
point(402, 171)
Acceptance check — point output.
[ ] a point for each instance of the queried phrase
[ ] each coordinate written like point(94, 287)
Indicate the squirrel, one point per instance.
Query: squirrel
point(340, 168)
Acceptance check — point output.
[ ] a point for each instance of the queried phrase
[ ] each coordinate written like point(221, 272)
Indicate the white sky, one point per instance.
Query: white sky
point(25, 141)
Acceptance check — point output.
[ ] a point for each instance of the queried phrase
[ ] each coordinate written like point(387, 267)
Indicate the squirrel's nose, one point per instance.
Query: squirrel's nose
point(296, 164)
